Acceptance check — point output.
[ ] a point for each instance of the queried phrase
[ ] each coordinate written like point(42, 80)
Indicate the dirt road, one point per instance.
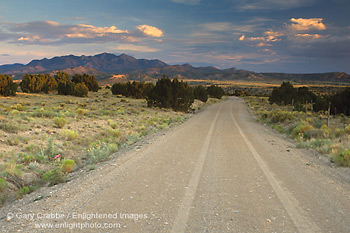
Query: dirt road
point(218, 172)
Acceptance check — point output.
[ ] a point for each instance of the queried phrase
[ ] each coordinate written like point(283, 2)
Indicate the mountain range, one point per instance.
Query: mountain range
point(105, 65)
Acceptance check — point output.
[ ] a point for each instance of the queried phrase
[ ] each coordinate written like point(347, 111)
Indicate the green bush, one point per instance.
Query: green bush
point(68, 165)
point(55, 176)
point(23, 191)
point(342, 158)
point(60, 122)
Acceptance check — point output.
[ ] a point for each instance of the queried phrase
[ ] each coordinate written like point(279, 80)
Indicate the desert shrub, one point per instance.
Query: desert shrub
point(317, 133)
point(281, 116)
point(342, 158)
point(9, 127)
point(302, 128)
point(14, 113)
point(112, 124)
point(60, 122)
point(50, 151)
point(98, 153)
point(27, 159)
point(278, 128)
point(22, 191)
point(13, 169)
point(3, 184)
point(339, 132)
point(80, 112)
point(347, 129)
point(68, 165)
point(69, 134)
point(55, 176)
point(33, 165)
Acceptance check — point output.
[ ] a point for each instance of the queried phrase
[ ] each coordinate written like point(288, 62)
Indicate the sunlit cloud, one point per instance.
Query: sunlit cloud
point(46, 32)
point(262, 44)
point(310, 36)
point(150, 30)
point(307, 24)
point(269, 36)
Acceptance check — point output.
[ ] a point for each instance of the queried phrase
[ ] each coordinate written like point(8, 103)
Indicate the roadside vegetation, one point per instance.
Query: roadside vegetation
point(309, 119)
point(45, 134)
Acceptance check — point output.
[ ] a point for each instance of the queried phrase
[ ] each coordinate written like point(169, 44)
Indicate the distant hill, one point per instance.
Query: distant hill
point(105, 62)
point(107, 65)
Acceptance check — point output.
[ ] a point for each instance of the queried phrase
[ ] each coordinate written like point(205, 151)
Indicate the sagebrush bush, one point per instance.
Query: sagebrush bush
point(100, 152)
point(80, 112)
point(302, 128)
point(60, 122)
point(279, 116)
point(69, 134)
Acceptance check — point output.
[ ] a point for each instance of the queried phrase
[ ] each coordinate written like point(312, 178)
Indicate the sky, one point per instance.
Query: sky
point(292, 36)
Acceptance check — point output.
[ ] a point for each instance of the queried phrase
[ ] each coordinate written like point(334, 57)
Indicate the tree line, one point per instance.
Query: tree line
point(78, 85)
point(302, 97)
point(167, 93)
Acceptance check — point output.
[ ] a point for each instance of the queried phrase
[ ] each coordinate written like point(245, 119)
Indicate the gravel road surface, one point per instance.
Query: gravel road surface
point(218, 172)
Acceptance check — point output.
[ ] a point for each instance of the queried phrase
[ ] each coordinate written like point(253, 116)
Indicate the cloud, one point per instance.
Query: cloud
point(307, 24)
point(51, 32)
point(310, 36)
point(150, 31)
point(262, 44)
point(135, 48)
point(262, 5)
point(269, 36)
point(187, 2)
